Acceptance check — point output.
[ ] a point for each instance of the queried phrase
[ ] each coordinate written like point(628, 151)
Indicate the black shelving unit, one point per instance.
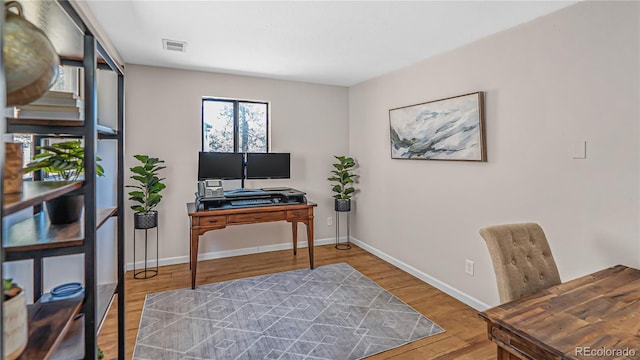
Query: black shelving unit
point(72, 337)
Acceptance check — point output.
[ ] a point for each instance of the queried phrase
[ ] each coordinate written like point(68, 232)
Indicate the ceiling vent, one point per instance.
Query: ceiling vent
point(174, 45)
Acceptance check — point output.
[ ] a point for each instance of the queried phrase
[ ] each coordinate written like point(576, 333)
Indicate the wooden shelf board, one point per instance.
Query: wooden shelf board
point(52, 127)
point(48, 323)
point(72, 346)
point(37, 233)
point(35, 192)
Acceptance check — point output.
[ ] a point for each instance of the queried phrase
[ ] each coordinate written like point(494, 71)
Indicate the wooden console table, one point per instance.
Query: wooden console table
point(203, 221)
point(595, 316)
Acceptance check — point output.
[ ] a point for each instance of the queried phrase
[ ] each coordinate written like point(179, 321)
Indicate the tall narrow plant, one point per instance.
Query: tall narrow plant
point(147, 196)
point(344, 178)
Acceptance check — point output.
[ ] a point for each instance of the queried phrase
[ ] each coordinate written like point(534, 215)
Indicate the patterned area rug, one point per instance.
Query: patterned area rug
point(333, 312)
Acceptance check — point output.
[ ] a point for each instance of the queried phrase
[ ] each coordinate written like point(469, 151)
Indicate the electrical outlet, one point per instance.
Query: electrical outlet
point(468, 267)
point(329, 221)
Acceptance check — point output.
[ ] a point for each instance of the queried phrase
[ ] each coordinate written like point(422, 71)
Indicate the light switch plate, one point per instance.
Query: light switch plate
point(579, 149)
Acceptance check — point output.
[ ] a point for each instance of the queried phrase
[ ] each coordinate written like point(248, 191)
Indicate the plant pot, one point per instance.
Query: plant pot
point(342, 205)
point(65, 209)
point(145, 220)
point(15, 330)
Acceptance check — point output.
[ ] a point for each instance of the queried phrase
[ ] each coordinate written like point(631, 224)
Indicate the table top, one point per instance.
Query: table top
point(597, 311)
point(191, 209)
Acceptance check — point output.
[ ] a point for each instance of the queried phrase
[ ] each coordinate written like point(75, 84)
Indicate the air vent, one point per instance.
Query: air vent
point(174, 45)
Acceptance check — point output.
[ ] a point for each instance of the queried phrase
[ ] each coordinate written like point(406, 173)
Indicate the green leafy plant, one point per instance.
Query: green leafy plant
point(343, 177)
point(149, 185)
point(66, 159)
point(11, 289)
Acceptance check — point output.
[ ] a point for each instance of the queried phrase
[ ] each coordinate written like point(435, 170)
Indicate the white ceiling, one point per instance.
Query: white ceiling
point(326, 42)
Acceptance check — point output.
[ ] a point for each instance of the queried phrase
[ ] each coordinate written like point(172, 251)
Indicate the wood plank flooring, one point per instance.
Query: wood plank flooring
point(465, 336)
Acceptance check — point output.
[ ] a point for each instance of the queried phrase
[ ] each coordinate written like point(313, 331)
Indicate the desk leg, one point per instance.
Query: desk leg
point(194, 256)
point(503, 354)
point(294, 231)
point(310, 240)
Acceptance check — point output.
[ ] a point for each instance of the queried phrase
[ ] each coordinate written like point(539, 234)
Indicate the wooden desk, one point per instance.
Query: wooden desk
point(203, 221)
point(580, 319)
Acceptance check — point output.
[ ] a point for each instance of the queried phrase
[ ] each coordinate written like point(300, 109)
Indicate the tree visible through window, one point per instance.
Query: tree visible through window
point(234, 125)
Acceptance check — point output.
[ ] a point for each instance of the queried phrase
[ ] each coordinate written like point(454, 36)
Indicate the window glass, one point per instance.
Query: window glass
point(252, 127)
point(217, 123)
point(234, 125)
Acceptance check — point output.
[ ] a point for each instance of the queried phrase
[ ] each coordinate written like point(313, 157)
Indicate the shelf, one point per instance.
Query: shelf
point(72, 346)
point(54, 127)
point(48, 324)
point(36, 236)
point(35, 192)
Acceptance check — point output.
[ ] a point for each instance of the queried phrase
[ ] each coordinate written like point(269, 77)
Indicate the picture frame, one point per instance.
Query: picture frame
point(447, 129)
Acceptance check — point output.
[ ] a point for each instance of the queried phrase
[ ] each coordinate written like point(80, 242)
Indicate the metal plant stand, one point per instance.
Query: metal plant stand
point(144, 273)
point(342, 245)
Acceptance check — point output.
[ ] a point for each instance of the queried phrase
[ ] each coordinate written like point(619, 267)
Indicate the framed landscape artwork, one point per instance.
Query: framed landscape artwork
point(447, 129)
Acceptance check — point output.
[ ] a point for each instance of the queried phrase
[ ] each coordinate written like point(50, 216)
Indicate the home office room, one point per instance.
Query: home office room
point(321, 180)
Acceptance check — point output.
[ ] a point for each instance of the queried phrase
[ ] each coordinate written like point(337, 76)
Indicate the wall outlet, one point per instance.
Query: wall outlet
point(468, 267)
point(329, 220)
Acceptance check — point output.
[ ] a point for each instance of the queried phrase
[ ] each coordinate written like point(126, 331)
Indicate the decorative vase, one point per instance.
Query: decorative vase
point(65, 209)
point(15, 328)
point(342, 205)
point(146, 220)
point(30, 60)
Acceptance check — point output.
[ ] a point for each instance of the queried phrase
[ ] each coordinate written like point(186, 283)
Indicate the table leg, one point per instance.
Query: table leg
point(194, 256)
point(503, 354)
point(294, 231)
point(310, 240)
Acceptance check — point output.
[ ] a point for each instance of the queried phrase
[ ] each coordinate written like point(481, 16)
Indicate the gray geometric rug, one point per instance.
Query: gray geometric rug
point(330, 313)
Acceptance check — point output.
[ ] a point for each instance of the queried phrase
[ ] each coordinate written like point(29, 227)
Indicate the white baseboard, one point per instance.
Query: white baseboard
point(228, 253)
point(446, 288)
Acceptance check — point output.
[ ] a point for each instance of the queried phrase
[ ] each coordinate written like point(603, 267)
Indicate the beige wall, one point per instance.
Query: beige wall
point(568, 77)
point(163, 120)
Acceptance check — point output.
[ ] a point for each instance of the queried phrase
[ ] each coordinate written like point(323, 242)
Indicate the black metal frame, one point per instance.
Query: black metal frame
point(145, 273)
point(342, 245)
point(236, 119)
point(3, 96)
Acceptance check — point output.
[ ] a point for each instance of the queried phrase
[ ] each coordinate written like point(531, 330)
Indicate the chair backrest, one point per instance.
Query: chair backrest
point(521, 258)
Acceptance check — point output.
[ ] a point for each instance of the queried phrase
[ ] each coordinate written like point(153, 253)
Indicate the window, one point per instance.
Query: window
point(27, 149)
point(235, 125)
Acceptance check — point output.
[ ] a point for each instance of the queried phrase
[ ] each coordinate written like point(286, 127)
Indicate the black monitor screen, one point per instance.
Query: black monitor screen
point(268, 166)
point(218, 165)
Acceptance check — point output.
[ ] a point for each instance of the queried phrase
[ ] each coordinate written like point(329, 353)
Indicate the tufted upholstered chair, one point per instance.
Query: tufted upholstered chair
point(521, 258)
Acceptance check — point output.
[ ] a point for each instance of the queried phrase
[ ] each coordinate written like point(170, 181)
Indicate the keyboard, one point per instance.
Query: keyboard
point(250, 202)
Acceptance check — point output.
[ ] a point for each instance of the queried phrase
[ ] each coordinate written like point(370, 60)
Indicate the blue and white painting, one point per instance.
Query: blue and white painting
point(449, 129)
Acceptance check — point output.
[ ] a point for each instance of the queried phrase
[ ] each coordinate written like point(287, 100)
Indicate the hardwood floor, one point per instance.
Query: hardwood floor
point(465, 336)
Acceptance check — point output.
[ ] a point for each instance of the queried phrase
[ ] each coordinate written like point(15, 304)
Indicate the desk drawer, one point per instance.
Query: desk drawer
point(220, 220)
point(300, 214)
point(257, 217)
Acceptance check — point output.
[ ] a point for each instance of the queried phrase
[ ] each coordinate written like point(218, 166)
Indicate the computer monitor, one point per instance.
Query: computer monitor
point(218, 165)
point(268, 166)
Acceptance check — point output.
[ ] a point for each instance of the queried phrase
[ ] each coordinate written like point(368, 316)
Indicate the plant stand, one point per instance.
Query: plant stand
point(144, 273)
point(342, 245)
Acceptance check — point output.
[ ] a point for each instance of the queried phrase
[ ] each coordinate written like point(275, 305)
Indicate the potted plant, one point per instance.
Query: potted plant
point(66, 160)
point(343, 179)
point(15, 328)
point(147, 196)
